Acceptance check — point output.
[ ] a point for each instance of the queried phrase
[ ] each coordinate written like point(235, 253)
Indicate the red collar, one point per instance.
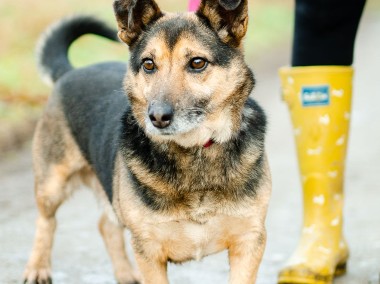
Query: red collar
point(208, 144)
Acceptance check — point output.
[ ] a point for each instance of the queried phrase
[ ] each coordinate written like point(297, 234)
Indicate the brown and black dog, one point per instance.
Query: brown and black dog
point(173, 146)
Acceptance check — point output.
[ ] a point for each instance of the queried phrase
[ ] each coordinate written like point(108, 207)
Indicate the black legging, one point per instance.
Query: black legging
point(325, 31)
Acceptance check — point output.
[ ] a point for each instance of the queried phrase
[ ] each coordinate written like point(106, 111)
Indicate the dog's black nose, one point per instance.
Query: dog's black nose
point(160, 114)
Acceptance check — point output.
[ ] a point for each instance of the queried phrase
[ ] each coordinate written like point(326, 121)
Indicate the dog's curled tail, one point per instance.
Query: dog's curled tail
point(53, 46)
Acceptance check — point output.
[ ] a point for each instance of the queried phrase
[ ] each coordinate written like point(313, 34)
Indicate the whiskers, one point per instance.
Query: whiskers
point(196, 111)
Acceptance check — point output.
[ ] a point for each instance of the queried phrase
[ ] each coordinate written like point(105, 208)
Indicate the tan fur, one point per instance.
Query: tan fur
point(132, 22)
point(51, 189)
point(237, 22)
point(113, 236)
point(150, 179)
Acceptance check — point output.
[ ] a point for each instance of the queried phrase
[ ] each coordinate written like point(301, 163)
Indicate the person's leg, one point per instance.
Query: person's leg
point(318, 92)
point(324, 32)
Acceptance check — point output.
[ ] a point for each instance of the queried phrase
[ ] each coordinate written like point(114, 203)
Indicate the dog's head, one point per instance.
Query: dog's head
point(187, 81)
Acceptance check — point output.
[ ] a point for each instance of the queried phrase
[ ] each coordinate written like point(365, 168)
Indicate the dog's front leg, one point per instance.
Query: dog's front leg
point(113, 236)
point(245, 254)
point(152, 270)
point(151, 263)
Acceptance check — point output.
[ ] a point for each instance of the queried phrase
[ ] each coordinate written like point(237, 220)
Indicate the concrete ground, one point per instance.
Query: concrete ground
point(79, 255)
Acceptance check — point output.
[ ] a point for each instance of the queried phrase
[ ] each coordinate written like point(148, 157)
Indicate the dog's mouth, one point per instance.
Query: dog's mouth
point(166, 120)
point(174, 128)
point(174, 123)
point(166, 132)
point(185, 132)
point(190, 129)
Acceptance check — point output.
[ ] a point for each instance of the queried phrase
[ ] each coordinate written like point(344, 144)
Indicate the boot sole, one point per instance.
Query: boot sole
point(340, 269)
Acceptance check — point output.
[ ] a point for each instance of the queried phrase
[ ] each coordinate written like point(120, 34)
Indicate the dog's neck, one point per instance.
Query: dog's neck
point(239, 159)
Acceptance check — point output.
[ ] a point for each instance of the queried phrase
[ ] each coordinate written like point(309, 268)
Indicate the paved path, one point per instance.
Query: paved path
point(79, 255)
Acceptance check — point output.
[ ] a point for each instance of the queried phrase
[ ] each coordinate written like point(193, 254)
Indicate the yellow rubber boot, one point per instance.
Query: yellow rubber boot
point(319, 100)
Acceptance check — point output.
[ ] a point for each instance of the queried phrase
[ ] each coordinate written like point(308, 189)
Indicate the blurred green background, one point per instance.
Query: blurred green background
point(22, 93)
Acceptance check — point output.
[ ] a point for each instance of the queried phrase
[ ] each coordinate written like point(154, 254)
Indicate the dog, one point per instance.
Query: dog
point(172, 145)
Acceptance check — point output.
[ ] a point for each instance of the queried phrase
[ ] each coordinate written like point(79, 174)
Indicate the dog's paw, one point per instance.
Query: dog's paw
point(37, 276)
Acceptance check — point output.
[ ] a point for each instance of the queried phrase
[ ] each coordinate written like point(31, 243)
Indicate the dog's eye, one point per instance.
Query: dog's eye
point(198, 64)
point(148, 65)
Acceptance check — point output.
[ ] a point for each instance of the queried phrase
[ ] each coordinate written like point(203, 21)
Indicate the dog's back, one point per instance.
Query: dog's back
point(91, 99)
point(93, 103)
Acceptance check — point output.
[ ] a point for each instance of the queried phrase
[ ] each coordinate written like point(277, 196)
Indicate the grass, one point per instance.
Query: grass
point(269, 25)
point(23, 22)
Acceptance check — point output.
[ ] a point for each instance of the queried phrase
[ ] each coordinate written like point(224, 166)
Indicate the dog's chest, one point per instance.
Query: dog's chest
point(184, 240)
point(191, 235)
point(194, 240)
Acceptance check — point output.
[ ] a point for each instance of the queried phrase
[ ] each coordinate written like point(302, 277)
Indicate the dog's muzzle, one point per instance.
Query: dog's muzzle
point(160, 114)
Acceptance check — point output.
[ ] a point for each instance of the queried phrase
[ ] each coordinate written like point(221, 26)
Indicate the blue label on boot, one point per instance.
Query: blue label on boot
point(315, 96)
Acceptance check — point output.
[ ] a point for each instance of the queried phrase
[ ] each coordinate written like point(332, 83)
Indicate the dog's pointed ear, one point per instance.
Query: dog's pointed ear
point(133, 16)
point(229, 18)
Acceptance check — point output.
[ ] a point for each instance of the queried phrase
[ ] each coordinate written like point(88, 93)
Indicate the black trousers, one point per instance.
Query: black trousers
point(325, 30)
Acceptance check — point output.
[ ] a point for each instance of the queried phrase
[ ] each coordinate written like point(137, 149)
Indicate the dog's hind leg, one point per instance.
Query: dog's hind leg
point(56, 160)
point(114, 240)
point(50, 191)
